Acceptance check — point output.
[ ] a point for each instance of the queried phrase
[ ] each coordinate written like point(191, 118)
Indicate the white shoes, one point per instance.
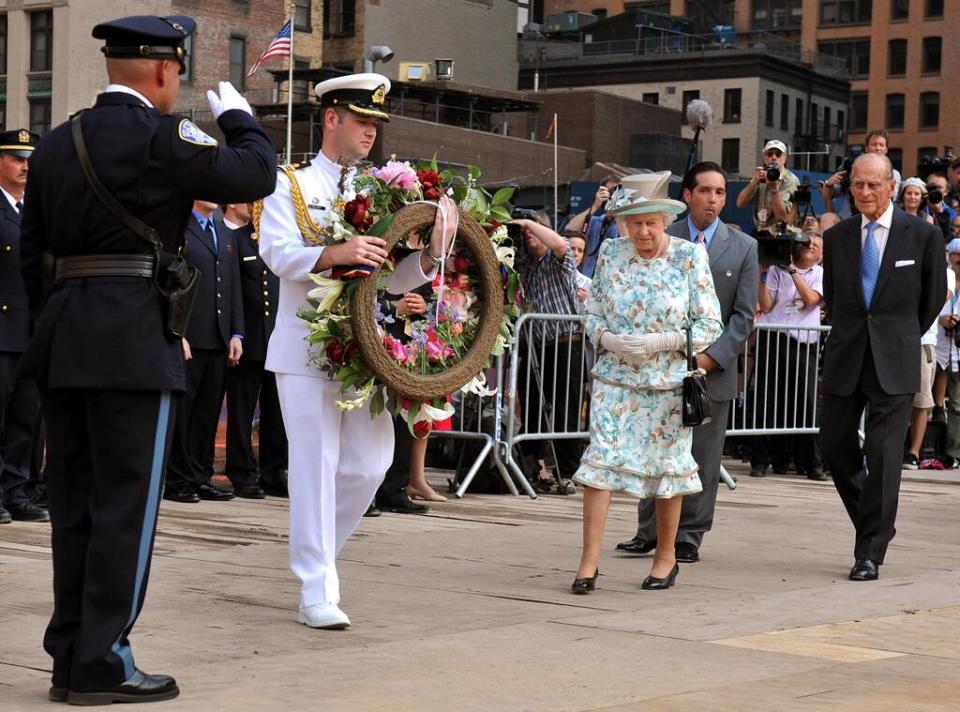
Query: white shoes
point(324, 615)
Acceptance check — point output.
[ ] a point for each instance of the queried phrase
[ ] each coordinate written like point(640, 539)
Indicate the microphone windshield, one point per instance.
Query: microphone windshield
point(699, 114)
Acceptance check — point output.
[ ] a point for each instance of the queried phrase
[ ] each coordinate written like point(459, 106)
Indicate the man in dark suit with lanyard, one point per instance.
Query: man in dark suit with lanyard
point(249, 383)
point(19, 397)
point(884, 282)
point(214, 341)
point(736, 278)
point(110, 206)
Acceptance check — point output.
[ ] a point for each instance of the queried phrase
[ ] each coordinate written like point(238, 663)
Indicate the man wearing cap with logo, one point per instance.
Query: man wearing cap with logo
point(109, 197)
point(19, 398)
point(337, 459)
point(771, 190)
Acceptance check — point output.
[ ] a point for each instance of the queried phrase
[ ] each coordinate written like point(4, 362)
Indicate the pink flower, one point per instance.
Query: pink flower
point(437, 350)
point(397, 174)
point(395, 348)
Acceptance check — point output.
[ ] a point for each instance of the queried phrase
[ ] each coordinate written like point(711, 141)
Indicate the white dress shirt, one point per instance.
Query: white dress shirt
point(10, 199)
point(880, 232)
point(124, 89)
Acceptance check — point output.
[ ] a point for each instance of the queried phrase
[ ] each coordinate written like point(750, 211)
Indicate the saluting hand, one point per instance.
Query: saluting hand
point(229, 99)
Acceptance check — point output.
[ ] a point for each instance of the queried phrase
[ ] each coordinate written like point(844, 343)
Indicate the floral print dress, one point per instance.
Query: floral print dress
point(638, 443)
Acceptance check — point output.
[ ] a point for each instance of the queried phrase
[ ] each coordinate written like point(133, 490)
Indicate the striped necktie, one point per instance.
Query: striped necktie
point(701, 239)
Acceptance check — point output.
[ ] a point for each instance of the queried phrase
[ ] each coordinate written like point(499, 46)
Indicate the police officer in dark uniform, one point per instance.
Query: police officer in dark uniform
point(214, 340)
point(107, 349)
point(19, 398)
point(249, 382)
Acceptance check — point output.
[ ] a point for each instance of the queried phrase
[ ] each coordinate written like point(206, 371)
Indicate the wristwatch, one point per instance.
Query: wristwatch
point(793, 270)
point(763, 277)
point(434, 261)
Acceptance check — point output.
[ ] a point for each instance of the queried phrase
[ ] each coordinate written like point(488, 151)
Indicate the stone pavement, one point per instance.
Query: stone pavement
point(469, 608)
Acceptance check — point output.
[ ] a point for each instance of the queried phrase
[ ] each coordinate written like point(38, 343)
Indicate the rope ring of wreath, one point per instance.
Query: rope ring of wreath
point(362, 311)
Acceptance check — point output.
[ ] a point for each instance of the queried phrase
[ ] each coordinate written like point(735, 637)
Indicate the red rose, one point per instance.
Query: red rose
point(492, 227)
point(334, 350)
point(430, 183)
point(350, 352)
point(422, 428)
point(461, 263)
point(356, 213)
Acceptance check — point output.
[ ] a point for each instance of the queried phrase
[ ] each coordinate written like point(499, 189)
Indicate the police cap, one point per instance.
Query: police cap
point(146, 37)
point(19, 142)
point(363, 94)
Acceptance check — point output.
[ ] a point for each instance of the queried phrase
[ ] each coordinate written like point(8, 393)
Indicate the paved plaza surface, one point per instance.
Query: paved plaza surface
point(468, 608)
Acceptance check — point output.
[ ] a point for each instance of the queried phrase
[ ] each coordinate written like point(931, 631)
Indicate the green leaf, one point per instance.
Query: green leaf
point(474, 172)
point(380, 227)
point(433, 164)
point(377, 402)
point(503, 195)
point(412, 415)
point(499, 213)
point(513, 286)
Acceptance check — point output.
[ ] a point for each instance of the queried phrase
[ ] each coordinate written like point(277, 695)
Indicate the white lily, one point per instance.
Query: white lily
point(478, 386)
point(326, 292)
point(506, 254)
point(429, 412)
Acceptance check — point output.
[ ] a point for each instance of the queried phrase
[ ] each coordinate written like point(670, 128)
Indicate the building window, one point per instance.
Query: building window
point(933, 8)
point(932, 53)
point(3, 48)
point(689, 96)
point(896, 158)
point(776, 14)
point(894, 111)
point(785, 112)
point(845, 12)
point(339, 18)
point(768, 113)
point(187, 75)
point(926, 154)
point(41, 41)
point(302, 20)
point(841, 124)
point(897, 58)
point(929, 109)
point(599, 13)
point(651, 97)
point(855, 52)
point(899, 9)
point(798, 117)
point(730, 155)
point(858, 111)
point(40, 115)
point(731, 106)
point(238, 62)
point(827, 126)
point(301, 87)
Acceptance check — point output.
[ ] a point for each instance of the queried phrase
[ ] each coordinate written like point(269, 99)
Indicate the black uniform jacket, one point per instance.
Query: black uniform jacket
point(14, 310)
point(261, 290)
point(109, 332)
point(910, 291)
point(218, 310)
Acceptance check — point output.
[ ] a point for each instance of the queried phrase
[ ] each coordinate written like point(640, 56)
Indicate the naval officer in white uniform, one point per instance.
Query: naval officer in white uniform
point(337, 459)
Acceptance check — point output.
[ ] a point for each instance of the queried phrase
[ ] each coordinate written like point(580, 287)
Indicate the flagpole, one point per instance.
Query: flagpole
point(290, 86)
point(556, 178)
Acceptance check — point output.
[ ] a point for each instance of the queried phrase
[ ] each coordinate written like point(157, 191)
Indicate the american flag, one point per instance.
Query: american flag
point(279, 47)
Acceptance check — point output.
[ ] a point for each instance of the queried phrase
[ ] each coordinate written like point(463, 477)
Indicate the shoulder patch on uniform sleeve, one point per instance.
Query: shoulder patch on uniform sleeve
point(191, 133)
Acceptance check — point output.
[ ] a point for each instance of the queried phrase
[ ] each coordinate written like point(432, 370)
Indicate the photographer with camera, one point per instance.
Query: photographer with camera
point(838, 184)
point(771, 190)
point(595, 225)
point(942, 214)
point(787, 362)
point(948, 355)
point(554, 349)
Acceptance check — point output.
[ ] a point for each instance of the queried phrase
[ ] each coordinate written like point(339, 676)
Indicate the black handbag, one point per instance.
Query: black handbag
point(696, 405)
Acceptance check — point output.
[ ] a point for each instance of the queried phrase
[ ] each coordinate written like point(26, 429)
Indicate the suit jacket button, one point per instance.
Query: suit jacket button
point(218, 311)
point(266, 313)
point(7, 248)
point(265, 303)
point(4, 308)
point(218, 295)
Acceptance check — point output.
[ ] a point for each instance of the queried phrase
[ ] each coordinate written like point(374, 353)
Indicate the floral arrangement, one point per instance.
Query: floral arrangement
point(369, 198)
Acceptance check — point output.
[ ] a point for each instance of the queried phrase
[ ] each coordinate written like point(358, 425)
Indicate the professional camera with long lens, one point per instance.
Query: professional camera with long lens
point(934, 194)
point(778, 248)
point(773, 171)
point(803, 195)
point(514, 231)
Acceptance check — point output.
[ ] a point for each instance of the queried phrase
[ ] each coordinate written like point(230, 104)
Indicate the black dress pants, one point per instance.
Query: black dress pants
point(869, 495)
point(191, 455)
point(247, 383)
point(105, 462)
point(398, 474)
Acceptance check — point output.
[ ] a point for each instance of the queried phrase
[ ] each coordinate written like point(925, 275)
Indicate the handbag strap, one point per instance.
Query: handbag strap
point(691, 361)
point(131, 221)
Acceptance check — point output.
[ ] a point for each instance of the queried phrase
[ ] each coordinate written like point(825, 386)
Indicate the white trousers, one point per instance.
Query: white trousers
point(337, 460)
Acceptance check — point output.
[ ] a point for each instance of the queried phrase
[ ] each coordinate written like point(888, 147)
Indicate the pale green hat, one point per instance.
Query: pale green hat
point(644, 193)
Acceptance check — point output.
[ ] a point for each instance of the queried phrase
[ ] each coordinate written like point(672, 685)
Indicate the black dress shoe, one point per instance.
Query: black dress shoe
point(817, 475)
point(864, 570)
point(213, 494)
point(686, 552)
point(637, 545)
point(275, 489)
point(402, 505)
point(57, 694)
point(139, 688)
point(5, 517)
point(585, 585)
point(372, 511)
point(652, 583)
point(758, 470)
point(27, 511)
point(253, 491)
point(186, 495)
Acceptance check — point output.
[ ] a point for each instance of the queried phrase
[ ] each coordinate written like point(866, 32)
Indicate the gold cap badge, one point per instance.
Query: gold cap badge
point(379, 95)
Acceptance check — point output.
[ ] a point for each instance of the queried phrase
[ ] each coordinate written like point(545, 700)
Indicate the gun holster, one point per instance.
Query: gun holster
point(178, 282)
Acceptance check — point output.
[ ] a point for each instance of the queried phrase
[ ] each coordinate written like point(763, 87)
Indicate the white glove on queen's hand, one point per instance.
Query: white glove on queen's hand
point(642, 346)
point(229, 99)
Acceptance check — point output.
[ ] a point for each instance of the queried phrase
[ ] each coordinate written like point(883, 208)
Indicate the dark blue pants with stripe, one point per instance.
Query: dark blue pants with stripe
point(106, 455)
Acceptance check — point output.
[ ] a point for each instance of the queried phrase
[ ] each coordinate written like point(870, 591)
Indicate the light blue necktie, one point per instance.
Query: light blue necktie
point(869, 265)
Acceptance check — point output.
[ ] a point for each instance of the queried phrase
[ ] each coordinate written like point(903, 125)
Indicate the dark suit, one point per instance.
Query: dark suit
point(216, 317)
point(872, 360)
point(110, 368)
point(248, 382)
point(19, 398)
point(736, 278)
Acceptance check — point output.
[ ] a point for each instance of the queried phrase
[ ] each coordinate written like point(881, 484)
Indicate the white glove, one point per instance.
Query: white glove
point(642, 346)
point(229, 99)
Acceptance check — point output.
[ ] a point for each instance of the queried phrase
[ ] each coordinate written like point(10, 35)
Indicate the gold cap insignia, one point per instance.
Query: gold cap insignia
point(23, 137)
point(379, 95)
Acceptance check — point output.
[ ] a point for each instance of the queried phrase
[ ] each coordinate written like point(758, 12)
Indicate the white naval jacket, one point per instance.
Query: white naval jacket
point(287, 255)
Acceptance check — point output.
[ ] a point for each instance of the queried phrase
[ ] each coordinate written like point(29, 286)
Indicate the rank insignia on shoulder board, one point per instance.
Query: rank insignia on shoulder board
point(191, 133)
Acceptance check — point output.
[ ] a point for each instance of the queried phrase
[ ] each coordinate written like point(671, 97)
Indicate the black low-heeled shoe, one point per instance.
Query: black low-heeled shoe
point(585, 585)
point(652, 583)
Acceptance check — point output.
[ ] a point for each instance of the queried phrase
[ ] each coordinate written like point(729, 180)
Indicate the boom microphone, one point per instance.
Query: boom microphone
point(699, 117)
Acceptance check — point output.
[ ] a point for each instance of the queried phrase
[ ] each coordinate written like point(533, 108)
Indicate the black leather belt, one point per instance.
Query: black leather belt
point(104, 266)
